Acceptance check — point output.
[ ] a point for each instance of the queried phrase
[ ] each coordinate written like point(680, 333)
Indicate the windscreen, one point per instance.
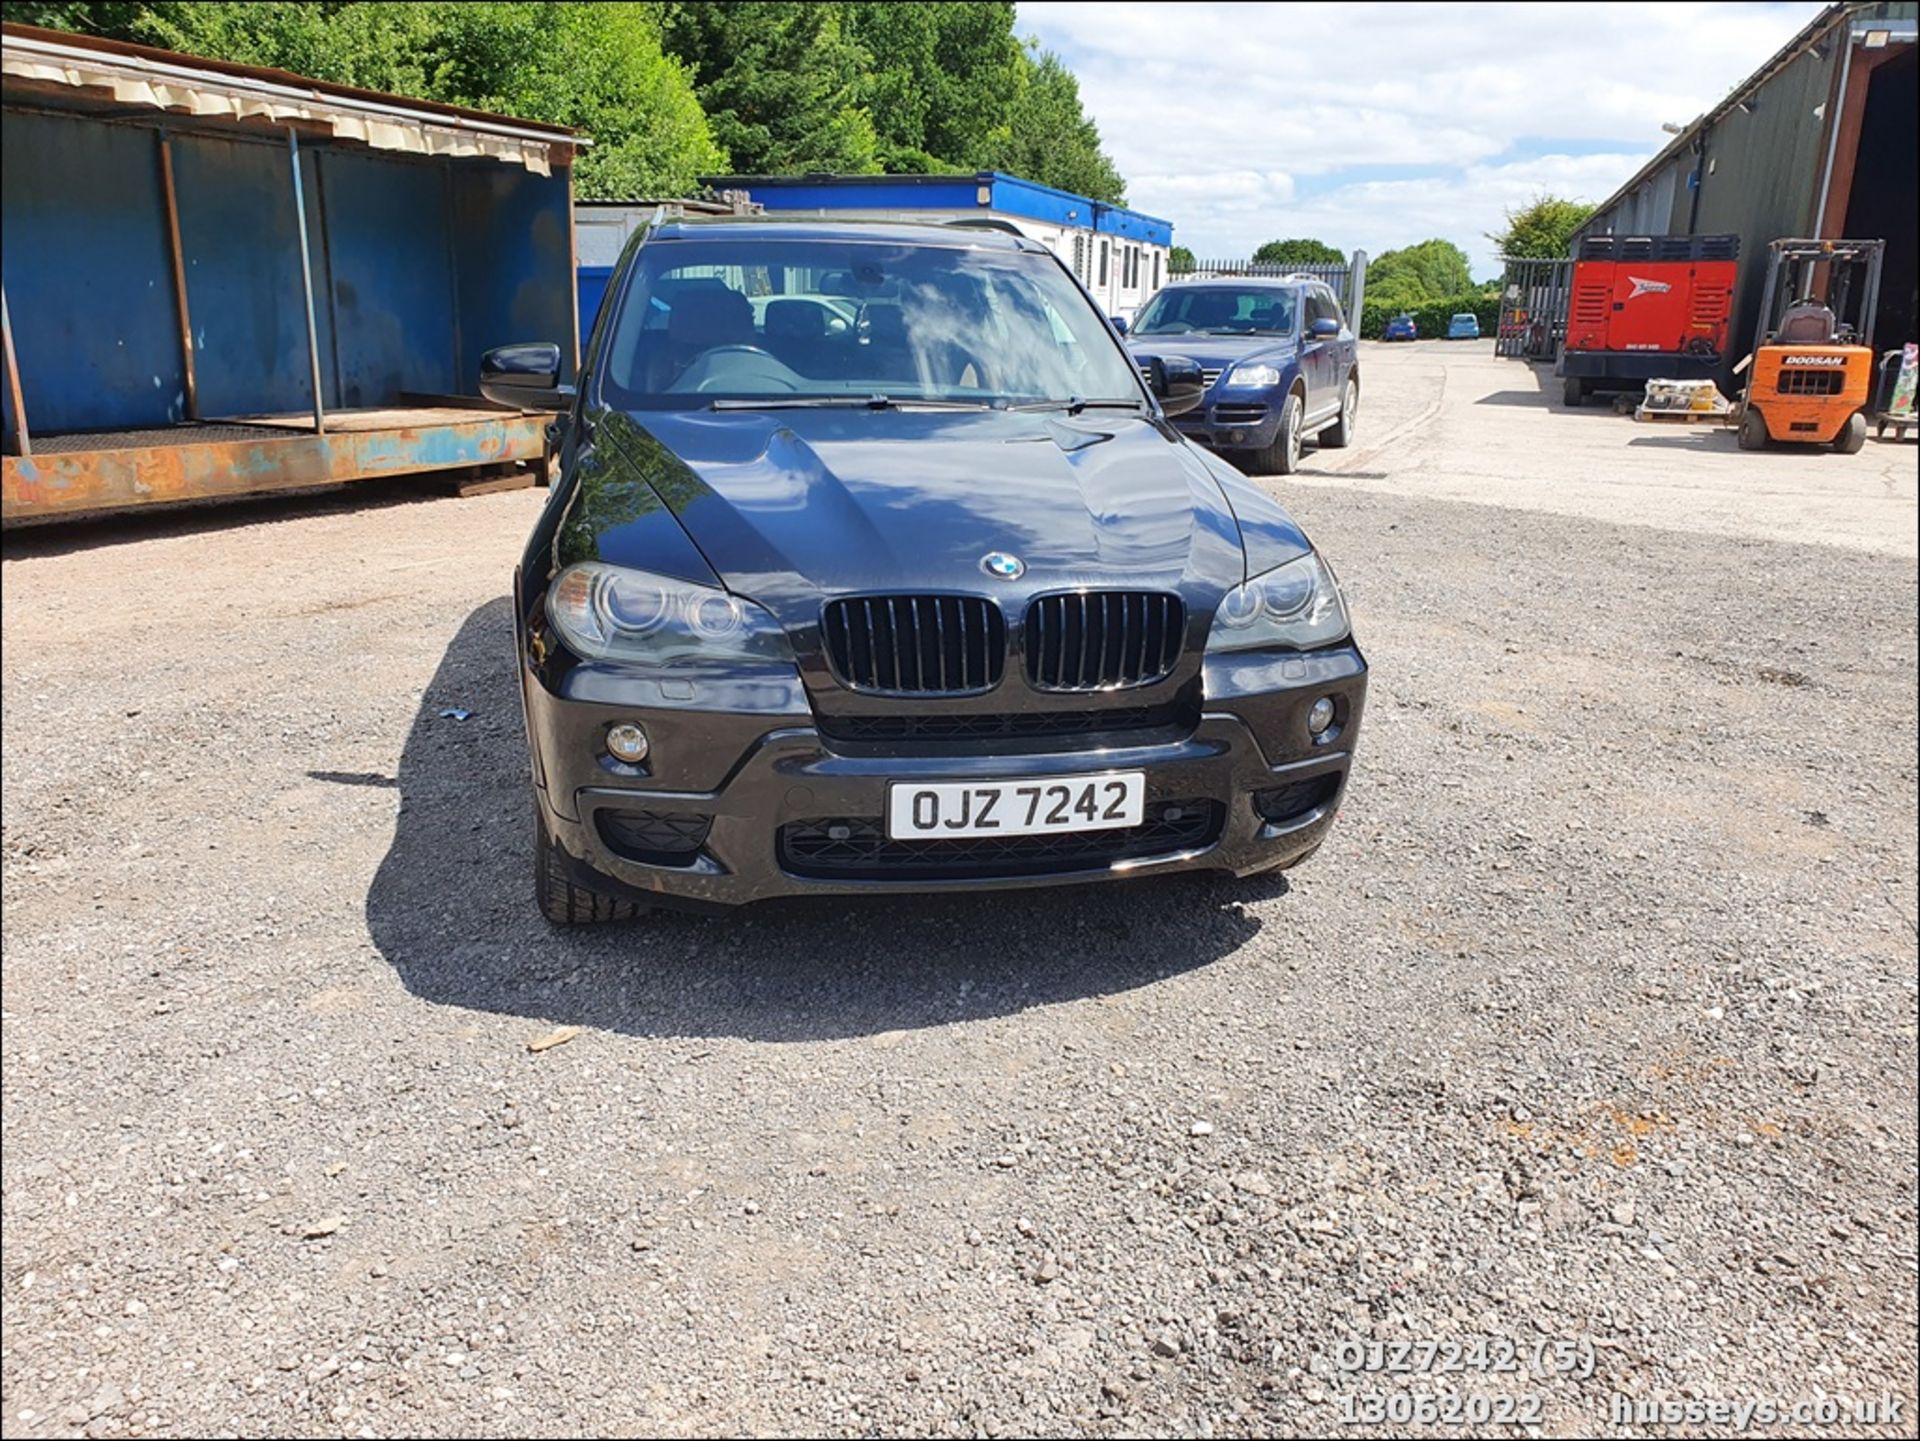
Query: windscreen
point(790, 319)
point(1217, 310)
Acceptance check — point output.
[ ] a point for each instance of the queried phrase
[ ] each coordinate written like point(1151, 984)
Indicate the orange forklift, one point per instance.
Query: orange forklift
point(1808, 381)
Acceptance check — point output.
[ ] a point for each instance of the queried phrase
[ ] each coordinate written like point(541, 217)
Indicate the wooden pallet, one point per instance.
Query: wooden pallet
point(478, 479)
point(1685, 417)
point(1898, 424)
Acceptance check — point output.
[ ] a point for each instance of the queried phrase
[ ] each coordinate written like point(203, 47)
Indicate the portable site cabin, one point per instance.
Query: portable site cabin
point(1120, 255)
point(220, 279)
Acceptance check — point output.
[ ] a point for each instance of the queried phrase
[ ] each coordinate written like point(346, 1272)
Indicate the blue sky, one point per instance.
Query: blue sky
point(1372, 126)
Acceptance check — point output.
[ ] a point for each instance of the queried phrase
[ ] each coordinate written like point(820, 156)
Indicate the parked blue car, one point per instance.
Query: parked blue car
point(1401, 327)
point(1279, 362)
point(1463, 326)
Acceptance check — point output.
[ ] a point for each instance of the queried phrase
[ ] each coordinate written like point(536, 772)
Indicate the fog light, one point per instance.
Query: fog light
point(1320, 716)
point(627, 742)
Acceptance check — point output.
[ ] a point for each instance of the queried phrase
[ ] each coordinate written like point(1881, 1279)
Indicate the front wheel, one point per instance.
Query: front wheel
point(1573, 392)
point(561, 901)
point(1753, 431)
point(1340, 433)
point(1283, 456)
point(1852, 435)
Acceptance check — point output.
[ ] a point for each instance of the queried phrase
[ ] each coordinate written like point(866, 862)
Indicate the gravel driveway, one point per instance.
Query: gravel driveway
point(1594, 1022)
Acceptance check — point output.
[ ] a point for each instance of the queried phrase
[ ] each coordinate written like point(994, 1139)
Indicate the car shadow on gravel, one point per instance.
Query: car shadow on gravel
point(451, 910)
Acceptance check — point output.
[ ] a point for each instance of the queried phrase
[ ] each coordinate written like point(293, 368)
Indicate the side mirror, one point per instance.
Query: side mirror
point(526, 377)
point(1324, 329)
point(1177, 382)
point(1119, 323)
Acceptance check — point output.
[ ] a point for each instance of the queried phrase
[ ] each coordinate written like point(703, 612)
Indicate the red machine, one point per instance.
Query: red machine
point(1646, 306)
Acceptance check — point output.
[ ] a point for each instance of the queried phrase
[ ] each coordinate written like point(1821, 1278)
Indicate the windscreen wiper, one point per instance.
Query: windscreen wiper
point(1076, 403)
point(847, 402)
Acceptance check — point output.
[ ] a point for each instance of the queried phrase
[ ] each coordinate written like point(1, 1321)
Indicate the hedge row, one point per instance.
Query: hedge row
point(1431, 318)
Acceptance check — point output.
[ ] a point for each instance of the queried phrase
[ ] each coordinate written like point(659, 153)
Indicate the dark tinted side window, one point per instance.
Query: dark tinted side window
point(1322, 306)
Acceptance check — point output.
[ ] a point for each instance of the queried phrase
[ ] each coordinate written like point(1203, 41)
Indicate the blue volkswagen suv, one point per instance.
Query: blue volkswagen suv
point(1279, 361)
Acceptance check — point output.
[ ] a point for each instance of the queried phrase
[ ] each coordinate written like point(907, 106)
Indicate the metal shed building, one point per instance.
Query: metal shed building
point(1119, 254)
point(1819, 142)
point(221, 279)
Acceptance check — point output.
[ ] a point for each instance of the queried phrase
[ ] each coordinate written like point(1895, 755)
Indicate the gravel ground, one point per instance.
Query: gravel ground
point(1593, 1022)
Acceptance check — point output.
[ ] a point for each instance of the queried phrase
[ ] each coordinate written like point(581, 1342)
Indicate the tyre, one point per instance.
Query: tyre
point(1283, 456)
point(1573, 392)
point(1340, 434)
point(1753, 431)
point(561, 901)
point(1852, 435)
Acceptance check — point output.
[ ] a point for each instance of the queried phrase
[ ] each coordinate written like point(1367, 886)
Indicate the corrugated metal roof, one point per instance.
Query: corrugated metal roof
point(1826, 20)
point(92, 67)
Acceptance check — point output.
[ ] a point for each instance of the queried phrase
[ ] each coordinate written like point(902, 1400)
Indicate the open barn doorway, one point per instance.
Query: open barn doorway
point(1885, 196)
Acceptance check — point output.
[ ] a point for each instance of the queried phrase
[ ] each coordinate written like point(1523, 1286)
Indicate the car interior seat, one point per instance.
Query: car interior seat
point(1210, 310)
point(797, 334)
point(705, 318)
point(1807, 322)
point(889, 351)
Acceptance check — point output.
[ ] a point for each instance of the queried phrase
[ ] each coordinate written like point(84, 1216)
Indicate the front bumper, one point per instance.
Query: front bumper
point(1636, 367)
point(1243, 422)
point(745, 784)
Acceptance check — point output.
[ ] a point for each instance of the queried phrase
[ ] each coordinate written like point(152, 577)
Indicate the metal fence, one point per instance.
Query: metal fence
point(1348, 281)
point(1533, 308)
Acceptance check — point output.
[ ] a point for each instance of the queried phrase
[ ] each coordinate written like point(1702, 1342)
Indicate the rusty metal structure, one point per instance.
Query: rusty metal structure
point(221, 279)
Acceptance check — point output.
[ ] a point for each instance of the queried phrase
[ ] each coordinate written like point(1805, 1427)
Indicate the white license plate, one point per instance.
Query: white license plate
point(1042, 806)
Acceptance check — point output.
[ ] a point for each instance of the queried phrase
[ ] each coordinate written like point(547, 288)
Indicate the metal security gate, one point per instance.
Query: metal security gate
point(1348, 281)
point(1533, 309)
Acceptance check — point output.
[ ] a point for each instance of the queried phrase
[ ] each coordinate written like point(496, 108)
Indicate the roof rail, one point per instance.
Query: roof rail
point(987, 222)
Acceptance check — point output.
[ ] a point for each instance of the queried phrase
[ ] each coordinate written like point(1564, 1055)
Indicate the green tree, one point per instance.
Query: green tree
point(780, 82)
point(598, 67)
point(1416, 274)
point(940, 80)
point(1297, 252)
point(1180, 261)
point(1049, 137)
point(669, 92)
point(380, 47)
point(111, 19)
point(1542, 229)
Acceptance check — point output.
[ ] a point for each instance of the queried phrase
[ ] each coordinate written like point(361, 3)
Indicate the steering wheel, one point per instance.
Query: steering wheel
point(738, 350)
point(765, 368)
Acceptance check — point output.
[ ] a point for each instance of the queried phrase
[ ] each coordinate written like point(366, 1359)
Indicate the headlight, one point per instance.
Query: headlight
point(1295, 606)
point(1260, 376)
point(605, 612)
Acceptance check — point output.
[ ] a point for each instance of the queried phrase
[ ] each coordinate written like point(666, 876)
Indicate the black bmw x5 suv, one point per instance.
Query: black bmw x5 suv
point(873, 564)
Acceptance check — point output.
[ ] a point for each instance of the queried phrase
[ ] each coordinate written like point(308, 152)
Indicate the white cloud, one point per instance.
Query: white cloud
point(1214, 113)
point(1375, 215)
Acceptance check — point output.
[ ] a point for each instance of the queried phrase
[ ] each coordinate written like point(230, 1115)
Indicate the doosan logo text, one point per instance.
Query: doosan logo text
point(1814, 360)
